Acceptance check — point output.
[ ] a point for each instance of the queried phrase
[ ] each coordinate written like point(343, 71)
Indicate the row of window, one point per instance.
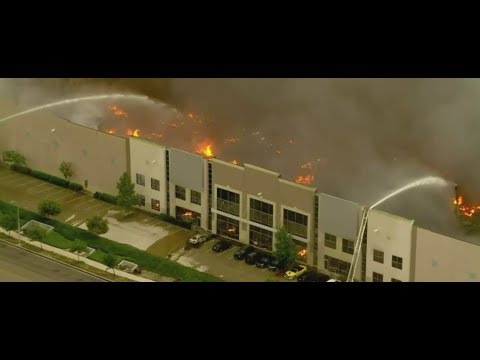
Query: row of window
point(154, 203)
point(376, 277)
point(397, 262)
point(154, 183)
point(195, 196)
point(347, 245)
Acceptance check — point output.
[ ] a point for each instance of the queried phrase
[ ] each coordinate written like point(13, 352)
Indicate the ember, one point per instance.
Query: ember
point(305, 180)
point(117, 111)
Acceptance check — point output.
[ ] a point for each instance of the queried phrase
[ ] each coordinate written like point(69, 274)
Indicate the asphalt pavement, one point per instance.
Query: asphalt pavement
point(18, 265)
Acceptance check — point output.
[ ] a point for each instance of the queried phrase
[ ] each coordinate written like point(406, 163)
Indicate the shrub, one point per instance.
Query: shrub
point(106, 197)
point(58, 181)
point(21, 169)
point(40, 175)
point(75, 187)
point(175, 221)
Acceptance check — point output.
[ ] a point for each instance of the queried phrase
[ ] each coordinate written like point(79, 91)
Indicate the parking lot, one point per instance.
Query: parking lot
point(223, 264)
point(139, 230)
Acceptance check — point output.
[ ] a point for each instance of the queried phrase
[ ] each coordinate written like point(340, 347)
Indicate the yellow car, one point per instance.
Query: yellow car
point(295, 272)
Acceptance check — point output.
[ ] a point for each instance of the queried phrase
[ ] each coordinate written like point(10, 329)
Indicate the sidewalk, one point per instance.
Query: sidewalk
point(73, 256)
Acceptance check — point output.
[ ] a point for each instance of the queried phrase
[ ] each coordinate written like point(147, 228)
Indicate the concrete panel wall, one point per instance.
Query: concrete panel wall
point(444, 259)
point(186, 169)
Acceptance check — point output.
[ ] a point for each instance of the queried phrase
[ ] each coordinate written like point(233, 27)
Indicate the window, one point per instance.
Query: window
point(188, 215)
point(377, 277)
point(195, 197)
point(228, 201)
point(330, 241)
point(301, 250)
point(316, 215)
point(179, 192)
point(261, 238)
point(156, 204)
point(397, 262)
point(347, 246)
point(396, 280)
point(155, 184)
point(378, 256)
point(140, 179)
point(141, 200)
point(295, 223)
point(336, 266)
point(261, 212)
point(227, 227)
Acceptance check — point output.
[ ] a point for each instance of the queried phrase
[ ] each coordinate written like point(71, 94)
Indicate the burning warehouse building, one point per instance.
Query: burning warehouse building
point(244, 203)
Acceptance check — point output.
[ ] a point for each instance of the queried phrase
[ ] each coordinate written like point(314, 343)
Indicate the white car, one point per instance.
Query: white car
point(333, 280)
point(197, 239)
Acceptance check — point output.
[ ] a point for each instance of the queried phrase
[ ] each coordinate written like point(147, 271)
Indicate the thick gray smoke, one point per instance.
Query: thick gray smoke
point(365, 137)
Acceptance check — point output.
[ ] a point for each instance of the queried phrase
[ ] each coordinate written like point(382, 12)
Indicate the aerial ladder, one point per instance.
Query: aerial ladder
point(358, 245)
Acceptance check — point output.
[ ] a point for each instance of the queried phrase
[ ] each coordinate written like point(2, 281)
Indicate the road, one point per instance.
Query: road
point(18, 265)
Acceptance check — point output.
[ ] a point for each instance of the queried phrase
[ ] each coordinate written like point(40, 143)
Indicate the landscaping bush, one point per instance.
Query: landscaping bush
point(75, 187)
point(106, 197)
point(40, 175)
point(21, 169)
point(58, 181)
point(175, 221)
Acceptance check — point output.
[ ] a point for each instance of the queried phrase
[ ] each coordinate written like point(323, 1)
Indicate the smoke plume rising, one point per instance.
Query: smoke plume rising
point(364, 137)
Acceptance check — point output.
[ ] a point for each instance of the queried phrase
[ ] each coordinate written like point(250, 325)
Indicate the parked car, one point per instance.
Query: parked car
point(253, 257)
point(275, 265)
point(313, 276)
point(333, 280)
point(244, 251)
point(198, 239)
point(263, 261)
point(221, 245)
point(295, 272)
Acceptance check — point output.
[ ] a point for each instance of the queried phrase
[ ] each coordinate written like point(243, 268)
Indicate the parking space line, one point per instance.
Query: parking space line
point(48, 189)
point(70, 201)
point(5, 177)
point(92, 207)
point(110, 207)
point(11, 181)
point(37, 186)
point(25, 183)
point(65, 196)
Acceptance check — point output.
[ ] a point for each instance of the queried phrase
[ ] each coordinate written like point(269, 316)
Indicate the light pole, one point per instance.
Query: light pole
point(18, 220)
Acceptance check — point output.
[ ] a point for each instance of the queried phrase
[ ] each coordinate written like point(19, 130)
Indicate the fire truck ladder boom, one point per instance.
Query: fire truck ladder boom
point(358, 245)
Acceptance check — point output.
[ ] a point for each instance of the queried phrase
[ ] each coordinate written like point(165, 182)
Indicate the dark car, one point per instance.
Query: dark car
point(253, 257)
point(263, 261)
point(275, 265)
point(244, 251)
point(313, 276)
point(222, 245)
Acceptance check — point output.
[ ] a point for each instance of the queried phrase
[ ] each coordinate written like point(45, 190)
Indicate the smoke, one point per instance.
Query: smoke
point(364, 137)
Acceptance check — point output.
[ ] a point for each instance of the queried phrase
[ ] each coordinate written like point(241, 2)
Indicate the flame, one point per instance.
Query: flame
point(111, 131)
point(305, 180)
point(235, 162)
point(232, 229)
point(205, 149)
point(117, 111)
point(187, 214)
point(135, 133)
point(302, 252)
point(465, 209)
point(307, 166)
point(190, 115)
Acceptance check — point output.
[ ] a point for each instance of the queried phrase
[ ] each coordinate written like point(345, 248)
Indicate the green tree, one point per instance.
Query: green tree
point(14, 157)
point(66, 169)
point(49, 208)
point(286, 252)
point(78, 246)
point(8, 222)
point(110, 261)
point(126, 198)
point(97, 225)
point(37, 234)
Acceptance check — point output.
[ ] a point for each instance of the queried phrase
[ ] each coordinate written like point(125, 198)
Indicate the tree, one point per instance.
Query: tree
point(8, 222)
point(97, 225)
point(110, 261)
point(126, 193)
point(37, 234)
point(286, 252)
point(78, 246)
point(49, 208)
point(66, 169)
point(14, 157)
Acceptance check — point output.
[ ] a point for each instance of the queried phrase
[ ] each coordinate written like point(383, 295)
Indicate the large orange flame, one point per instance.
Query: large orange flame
point(465, 209)
point(205, 148)
point(305, 180)
point(302, 252)
point(134, 133)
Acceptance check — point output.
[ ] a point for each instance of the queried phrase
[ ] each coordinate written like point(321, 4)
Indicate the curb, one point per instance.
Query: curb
point(56, 260)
